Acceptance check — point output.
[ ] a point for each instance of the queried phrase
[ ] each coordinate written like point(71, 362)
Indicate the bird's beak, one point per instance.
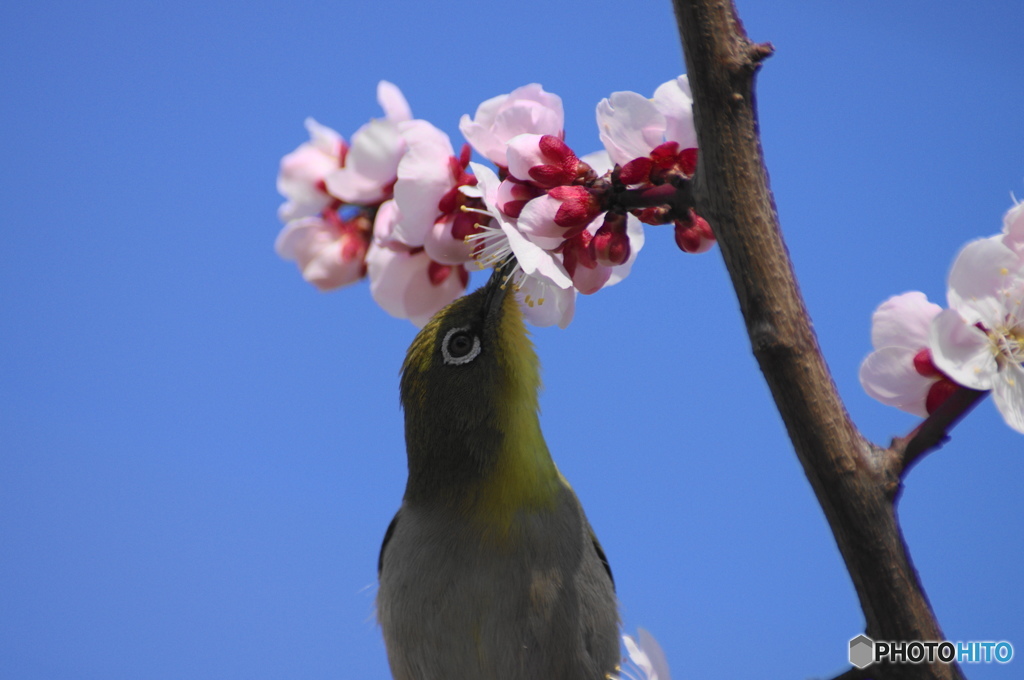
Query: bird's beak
point(496, 288)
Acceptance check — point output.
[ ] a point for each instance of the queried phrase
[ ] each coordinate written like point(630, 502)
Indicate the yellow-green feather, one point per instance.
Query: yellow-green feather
point(525, 478)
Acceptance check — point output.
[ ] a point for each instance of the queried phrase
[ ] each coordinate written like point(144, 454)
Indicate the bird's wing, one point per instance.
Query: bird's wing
point(390, 532)
point(597, 548)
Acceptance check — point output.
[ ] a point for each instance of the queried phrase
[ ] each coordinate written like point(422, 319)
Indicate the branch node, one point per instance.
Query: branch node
point(758, 52)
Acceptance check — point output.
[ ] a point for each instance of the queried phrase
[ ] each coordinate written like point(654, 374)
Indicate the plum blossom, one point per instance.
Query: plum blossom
point(632, 126)
point(979, 340)
point(544, 286)
point(409, 285)
point(301, 177)
point(405, 281)
point(900, 371)
point(329, 251)
point(559, 214)
point(370, 167)
point(428, 197)
point(528, 109)
point(646, 659)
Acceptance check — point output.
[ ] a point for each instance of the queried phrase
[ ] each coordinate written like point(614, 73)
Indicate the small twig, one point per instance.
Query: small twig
point(934, 431)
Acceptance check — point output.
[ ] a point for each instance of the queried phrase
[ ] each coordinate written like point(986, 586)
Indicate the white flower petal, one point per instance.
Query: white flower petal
point(325, 139)
point(675, 101)
point(1013, 229)
point(401, 286)
point(888, 375)
point(659, 664)
point(545, 304)
point(599, 161)
point(962, 351)
point(903, 321)
point(423, 178)
point(391, 99)
point(630, 126)
point(1008, 394)
point(537, 221)
point(371, 164)
point(499, 119)
point(981, 272)
point(535, 260)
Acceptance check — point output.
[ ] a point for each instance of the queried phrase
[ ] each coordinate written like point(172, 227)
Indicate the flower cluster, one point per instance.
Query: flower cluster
point(923, 352)
point(399, 206)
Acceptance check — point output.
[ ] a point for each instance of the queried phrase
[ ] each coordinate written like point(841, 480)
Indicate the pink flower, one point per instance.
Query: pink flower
point(979, 341)
point(404, 281)
point(545, 289)
point(632, 126)
point(301, 177)
point(900, 371)
point(371, 164)
point(544, 303)
point(330, 252)
point(560, 214)
point(428, 197)
point(528, 109)
point(409, 285)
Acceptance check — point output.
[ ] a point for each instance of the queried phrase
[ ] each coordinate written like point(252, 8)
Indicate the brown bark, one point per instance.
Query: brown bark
point(855, 482)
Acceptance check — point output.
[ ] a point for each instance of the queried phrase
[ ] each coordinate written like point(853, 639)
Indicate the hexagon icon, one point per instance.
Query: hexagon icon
point(862, 651)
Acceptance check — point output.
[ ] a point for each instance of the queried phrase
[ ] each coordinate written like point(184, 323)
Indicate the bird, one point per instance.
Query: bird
point(490, 569)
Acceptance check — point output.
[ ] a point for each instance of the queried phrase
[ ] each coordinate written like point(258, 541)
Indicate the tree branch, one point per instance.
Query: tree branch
point(848, 474)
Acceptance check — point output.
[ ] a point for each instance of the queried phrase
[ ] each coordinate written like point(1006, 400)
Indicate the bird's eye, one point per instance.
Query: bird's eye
point(460, 346)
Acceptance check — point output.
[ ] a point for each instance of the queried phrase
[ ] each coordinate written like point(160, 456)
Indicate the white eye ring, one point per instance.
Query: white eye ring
point(465, 359)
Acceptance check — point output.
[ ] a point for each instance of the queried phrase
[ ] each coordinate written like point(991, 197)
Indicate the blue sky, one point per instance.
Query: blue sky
point(199, 454)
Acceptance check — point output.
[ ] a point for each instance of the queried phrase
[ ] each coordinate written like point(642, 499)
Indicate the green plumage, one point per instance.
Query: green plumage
point(490, 568)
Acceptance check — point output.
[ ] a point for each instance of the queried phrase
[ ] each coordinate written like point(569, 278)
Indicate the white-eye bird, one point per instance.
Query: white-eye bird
point(490, 570)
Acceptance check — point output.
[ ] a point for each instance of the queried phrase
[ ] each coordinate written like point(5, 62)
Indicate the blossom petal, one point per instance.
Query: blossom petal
point(981, 273)
point(545, 304)
point(423, 178)
point(962, 351)
point(327, 259)
point(630, 126)
point(903, 321)
point(303, 169)
point(1013, 229)
point(1008, 395)
point(528, 109)
point(535, 260)
point(599, 161)
point(537, 221)
point(371, 164)
point(400, 284)
point(443, 247)
point(888, 375)
point(391, 99)
point(675, 101)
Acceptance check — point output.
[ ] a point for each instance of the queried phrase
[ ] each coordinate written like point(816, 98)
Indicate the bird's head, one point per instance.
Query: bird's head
point(469, 390)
